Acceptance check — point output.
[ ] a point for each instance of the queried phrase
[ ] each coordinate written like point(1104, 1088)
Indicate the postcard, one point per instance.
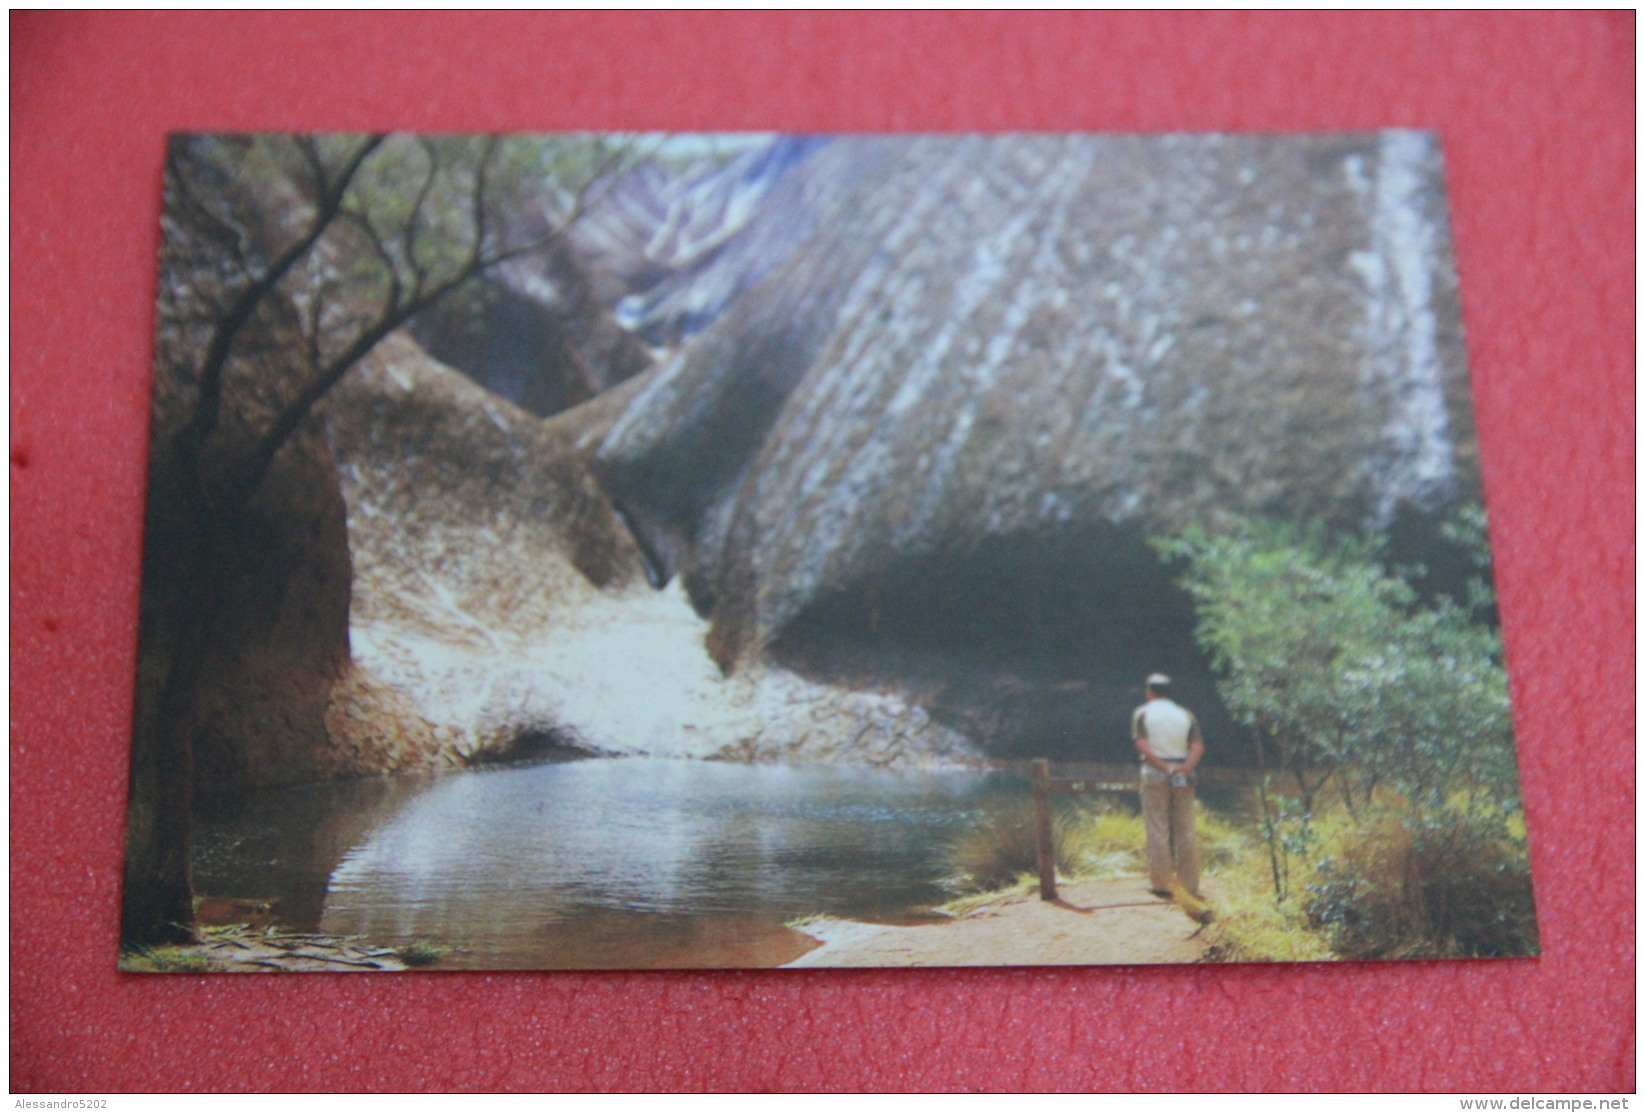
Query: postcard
point(618, 551)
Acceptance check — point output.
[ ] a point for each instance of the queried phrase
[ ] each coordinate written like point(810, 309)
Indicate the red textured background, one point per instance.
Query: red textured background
point(1537, 115)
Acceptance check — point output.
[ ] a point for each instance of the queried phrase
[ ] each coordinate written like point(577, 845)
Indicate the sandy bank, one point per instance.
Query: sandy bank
point(1105, 922)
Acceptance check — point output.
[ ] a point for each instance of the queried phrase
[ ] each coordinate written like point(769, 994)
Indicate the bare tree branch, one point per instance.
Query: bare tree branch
point(380, 249)
point(237, 255)
point(310, 151)
point(480, 173)
point(400, 307)
point(603, 174)
point(313, 332)
point(208, 405)
point(409, 236)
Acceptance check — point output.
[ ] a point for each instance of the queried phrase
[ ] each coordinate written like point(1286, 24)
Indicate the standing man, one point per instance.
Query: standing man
point(1168, 742)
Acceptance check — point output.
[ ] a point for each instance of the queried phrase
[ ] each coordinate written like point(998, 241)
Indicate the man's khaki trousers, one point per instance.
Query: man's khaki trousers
point(1168, 816)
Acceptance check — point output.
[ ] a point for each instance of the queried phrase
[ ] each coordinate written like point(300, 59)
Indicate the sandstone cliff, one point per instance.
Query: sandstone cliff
point(535, 331)
point(498, 595)
point(921, 403)
point(937, 433)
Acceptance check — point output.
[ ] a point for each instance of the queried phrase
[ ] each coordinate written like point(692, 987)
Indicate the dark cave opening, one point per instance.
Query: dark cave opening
point(1034, 644)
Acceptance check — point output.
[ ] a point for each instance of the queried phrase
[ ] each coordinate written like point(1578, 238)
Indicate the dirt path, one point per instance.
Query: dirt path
point(1103, 922)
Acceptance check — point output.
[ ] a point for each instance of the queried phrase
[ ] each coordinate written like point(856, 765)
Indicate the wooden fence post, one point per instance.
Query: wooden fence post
point(1045, 850)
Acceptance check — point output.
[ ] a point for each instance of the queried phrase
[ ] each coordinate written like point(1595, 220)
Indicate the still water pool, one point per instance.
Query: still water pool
point(596, 863)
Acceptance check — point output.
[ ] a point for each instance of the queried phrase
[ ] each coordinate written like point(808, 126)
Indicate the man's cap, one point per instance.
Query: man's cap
point(1158, 680)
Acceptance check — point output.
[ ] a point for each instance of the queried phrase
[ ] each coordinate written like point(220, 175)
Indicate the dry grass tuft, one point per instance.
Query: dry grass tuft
point(1106, 840)
point(1001, 847)
point(1251, 927)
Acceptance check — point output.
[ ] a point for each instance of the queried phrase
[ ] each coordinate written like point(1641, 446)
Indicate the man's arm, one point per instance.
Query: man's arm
point(1196, 748)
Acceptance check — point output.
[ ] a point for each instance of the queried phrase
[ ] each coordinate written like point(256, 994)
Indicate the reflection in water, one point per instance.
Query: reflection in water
point(599, 863)
point(281, 845)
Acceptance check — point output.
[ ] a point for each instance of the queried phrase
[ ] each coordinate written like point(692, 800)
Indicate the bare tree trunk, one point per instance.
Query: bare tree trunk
point(1269, 828)
point(1347, 793)
point(215, 496)
point(159, 885)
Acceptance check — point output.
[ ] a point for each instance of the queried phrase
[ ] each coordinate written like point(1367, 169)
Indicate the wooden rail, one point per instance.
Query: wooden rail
point(1045, 785)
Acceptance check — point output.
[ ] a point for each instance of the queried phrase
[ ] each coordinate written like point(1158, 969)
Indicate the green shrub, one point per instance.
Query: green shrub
point(1455, 887)
point(1333, 658)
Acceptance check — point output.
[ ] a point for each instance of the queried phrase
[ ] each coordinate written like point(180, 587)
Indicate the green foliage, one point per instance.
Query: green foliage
point(1328, 658)
point(137, 959)
point(1344, 674)
point(1281, 613)
point(1459, 889)
point(420, 202)
point(1374, 882)
point(1093, 840)
point(1467, 531)
point(429, 213)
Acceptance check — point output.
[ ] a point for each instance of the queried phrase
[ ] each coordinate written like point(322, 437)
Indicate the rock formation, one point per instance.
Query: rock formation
point(536, 332)
point(922, 403)
point(498, 596)
point(676, 246)
point(933, 439)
